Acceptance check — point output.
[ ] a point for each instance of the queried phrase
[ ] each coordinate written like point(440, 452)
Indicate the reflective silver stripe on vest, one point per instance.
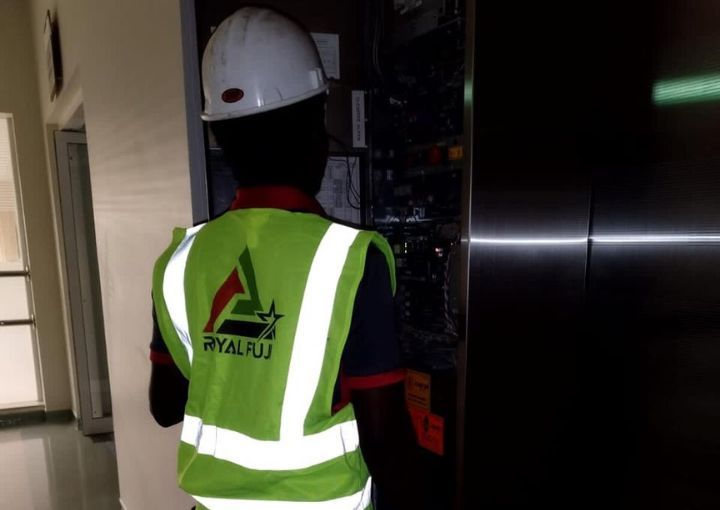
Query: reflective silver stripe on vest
point(358, 501)
point(174, 288)
point(225, 444)
point(313, 325)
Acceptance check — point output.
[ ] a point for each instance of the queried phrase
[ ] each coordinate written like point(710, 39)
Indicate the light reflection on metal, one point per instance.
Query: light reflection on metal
point(690, 89)
point(529, 241)
point(657, 239)
point(600, 239)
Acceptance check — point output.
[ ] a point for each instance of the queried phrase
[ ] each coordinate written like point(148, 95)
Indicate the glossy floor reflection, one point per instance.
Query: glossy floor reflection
point(53, 467)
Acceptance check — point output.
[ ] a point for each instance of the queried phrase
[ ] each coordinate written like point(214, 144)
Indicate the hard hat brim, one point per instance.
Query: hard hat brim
point(247, 112)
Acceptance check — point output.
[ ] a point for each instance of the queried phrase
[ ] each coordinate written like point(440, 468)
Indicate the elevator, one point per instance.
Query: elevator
point(549, 180)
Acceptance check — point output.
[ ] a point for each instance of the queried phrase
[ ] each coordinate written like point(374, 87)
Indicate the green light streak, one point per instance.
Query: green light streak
point(468, 91)
point(692, 89)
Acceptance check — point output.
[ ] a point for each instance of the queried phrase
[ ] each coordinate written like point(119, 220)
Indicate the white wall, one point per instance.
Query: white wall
point(123, 62)
point(18, 95)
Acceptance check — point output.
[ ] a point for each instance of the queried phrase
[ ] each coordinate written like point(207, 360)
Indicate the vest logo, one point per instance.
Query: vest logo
point(247, 328)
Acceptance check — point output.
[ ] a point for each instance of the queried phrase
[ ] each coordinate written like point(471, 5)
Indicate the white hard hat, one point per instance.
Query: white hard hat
point(258, 60)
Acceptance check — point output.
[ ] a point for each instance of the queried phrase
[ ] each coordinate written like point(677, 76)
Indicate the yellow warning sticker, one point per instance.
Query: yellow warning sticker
point(455, 153)
point(417, 389)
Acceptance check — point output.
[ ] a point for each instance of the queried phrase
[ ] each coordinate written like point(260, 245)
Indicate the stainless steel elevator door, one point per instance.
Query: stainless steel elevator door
point(654, 273)
point(594, 289)
point(529, 222)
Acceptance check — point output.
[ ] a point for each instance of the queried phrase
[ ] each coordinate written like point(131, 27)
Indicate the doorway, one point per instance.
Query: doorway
point(83, 283)
point(20, 384)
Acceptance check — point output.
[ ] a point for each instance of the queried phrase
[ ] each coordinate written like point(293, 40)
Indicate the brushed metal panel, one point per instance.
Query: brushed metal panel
point(529, 220)
point(652, 381)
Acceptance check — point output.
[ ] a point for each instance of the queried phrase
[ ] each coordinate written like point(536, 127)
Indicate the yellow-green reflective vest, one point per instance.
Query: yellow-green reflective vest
point(255, 308)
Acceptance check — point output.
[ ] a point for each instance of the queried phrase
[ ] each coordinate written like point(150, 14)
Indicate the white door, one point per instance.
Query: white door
point(83, 282)
point(20, 384)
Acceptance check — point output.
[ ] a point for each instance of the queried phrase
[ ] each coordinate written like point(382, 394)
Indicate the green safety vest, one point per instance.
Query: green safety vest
point(255, 308)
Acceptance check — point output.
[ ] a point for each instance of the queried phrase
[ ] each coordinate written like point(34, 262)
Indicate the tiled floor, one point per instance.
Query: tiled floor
point(54, 467)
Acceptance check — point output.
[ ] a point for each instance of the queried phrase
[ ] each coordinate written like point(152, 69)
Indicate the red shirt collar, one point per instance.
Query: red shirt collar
point(276, 197)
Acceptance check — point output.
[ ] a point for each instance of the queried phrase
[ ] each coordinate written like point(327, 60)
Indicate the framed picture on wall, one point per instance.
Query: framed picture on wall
point(52, 56)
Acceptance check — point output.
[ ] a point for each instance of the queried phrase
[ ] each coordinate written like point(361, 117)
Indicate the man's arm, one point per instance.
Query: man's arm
point(387, 441)
point(372, 371)
point(168, 387)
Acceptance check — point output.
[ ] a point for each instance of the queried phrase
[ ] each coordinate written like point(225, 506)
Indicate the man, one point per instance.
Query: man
point(274, 340)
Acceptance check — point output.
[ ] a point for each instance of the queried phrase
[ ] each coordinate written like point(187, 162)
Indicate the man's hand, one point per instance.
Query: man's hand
point(168, 394)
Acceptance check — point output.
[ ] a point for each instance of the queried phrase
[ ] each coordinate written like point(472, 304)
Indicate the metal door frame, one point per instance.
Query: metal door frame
point(193, 108)
point(466, 234)
point(73, 238)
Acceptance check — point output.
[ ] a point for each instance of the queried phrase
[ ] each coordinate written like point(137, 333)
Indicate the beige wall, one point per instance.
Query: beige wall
point(123, 62)
point(18, 95)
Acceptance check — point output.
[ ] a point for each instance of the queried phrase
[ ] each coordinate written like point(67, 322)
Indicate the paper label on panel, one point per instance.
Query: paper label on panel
point(328, 46)
point(417, 389)
point(340, 191)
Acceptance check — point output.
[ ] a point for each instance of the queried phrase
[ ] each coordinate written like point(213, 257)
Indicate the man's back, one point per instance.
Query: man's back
point(256, 306)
